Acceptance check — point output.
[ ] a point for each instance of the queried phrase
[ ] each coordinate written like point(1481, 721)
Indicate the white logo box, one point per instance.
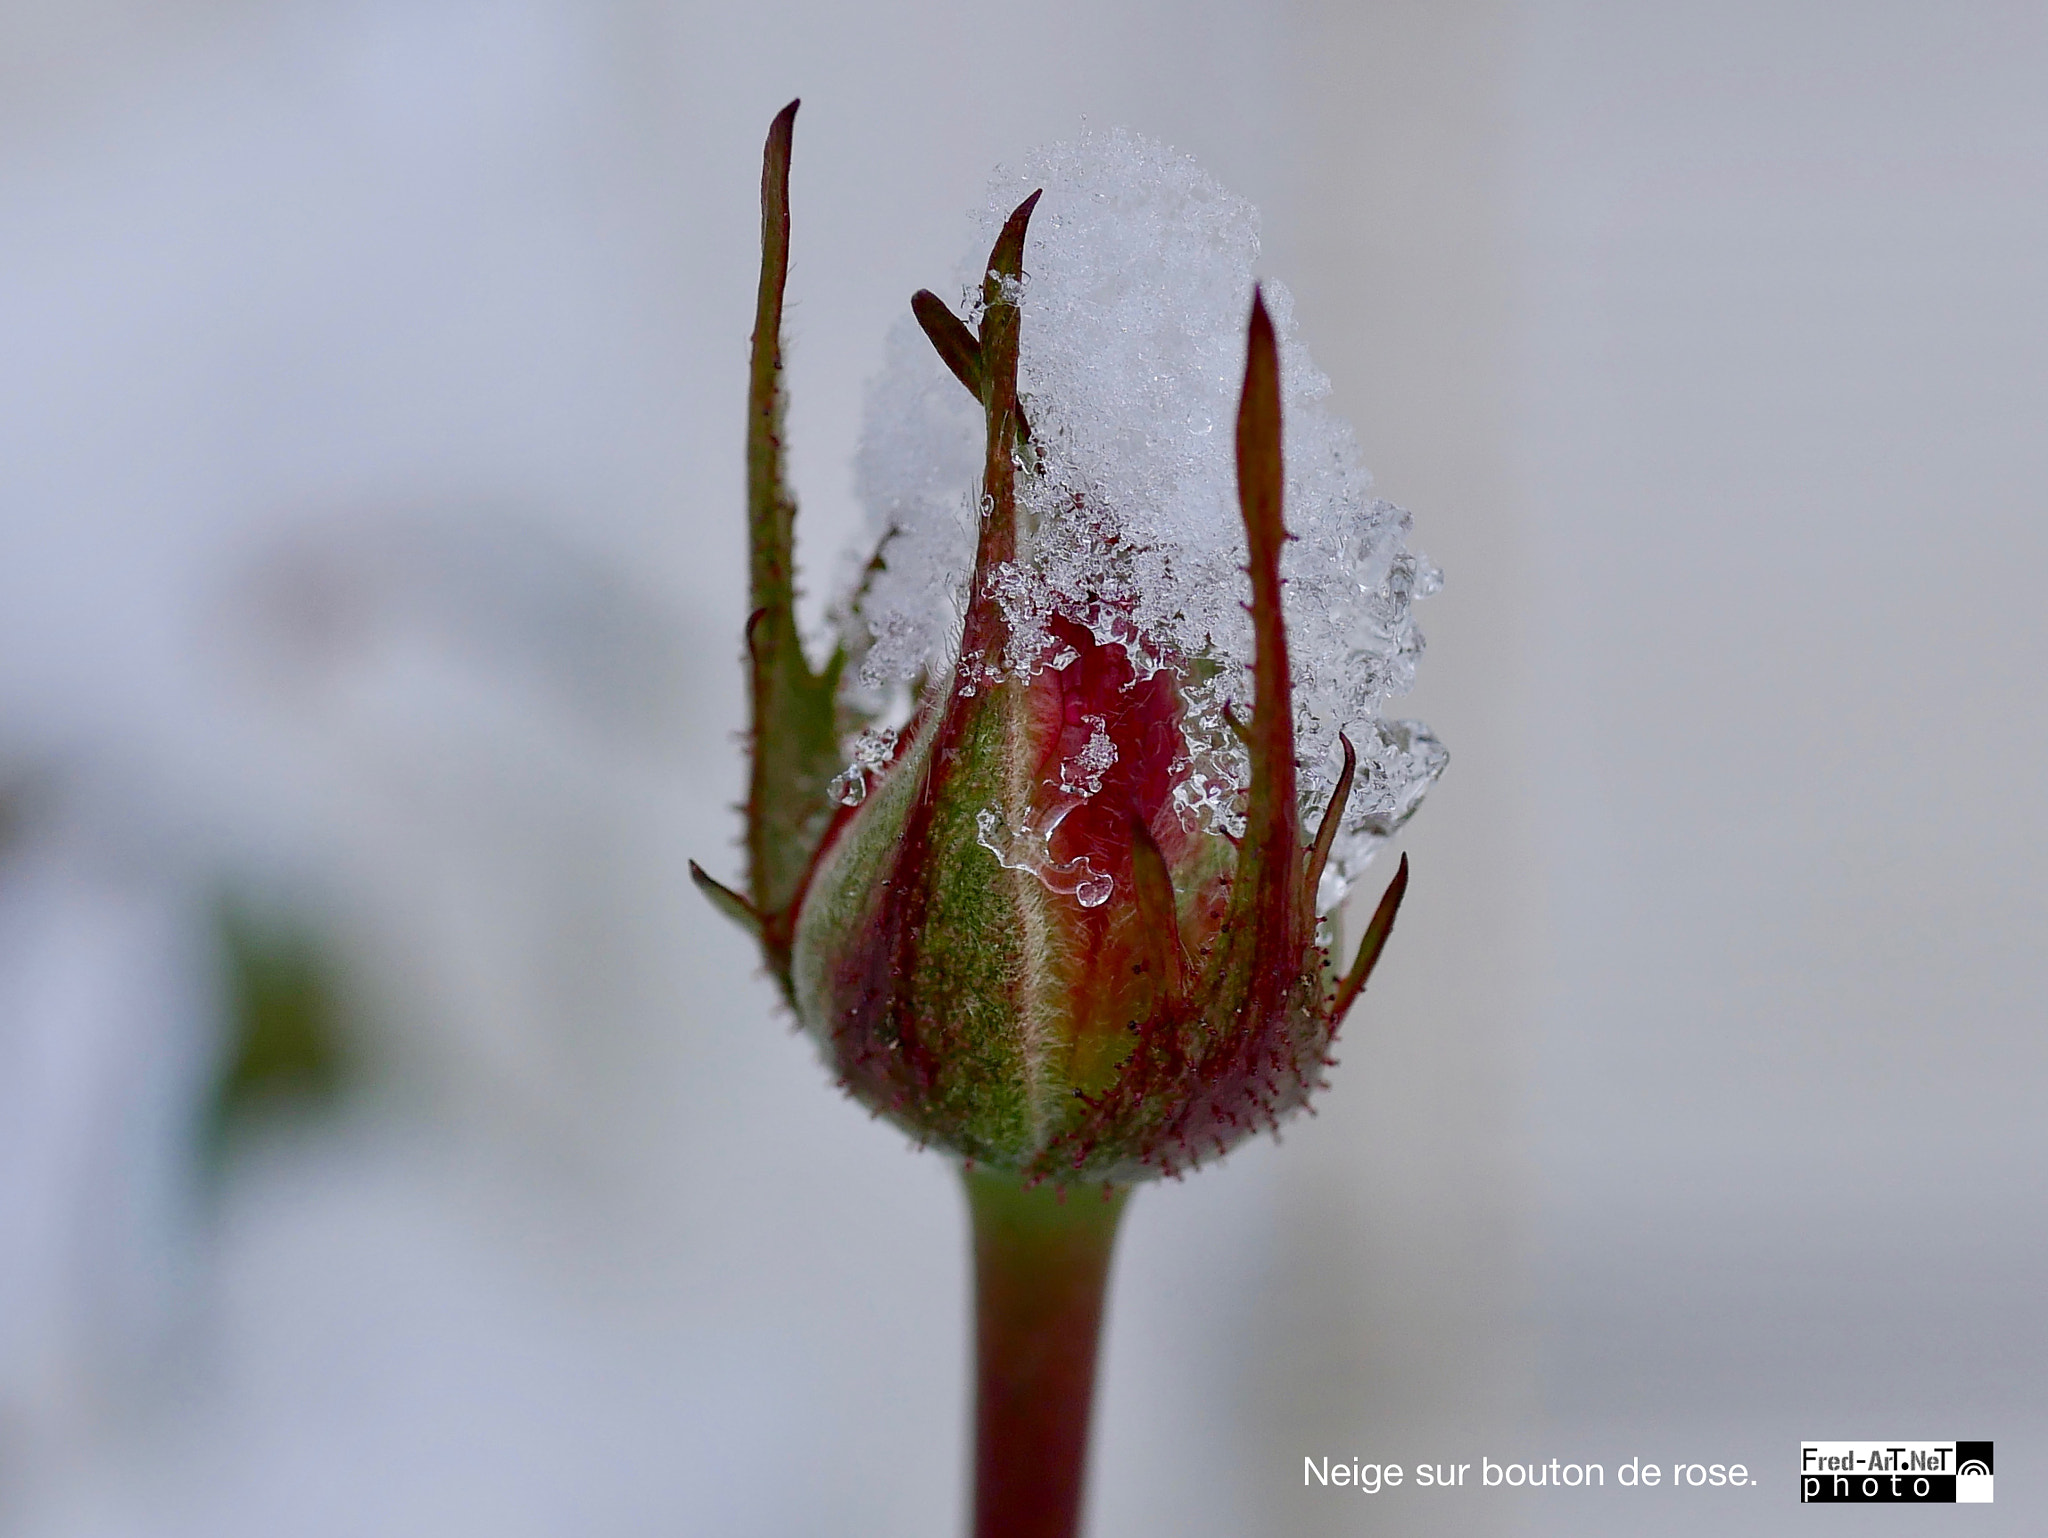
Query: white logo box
point(1877, 1457)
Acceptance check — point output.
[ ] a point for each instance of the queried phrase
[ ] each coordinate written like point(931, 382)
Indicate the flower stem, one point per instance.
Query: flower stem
point(1041, 1265)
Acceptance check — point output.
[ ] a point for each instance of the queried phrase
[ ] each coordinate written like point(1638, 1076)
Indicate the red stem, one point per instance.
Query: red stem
point(1041, 1266)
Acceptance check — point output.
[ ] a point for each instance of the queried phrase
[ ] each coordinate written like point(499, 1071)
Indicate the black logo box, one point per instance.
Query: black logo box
point(1896, 1489)
point(1890, 1489)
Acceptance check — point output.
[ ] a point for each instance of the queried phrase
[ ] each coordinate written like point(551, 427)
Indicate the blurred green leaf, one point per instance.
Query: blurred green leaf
point(287, 1051)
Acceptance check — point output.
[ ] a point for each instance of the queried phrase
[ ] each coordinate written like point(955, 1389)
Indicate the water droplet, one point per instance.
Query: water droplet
point(1030, 849)
point(872, 751)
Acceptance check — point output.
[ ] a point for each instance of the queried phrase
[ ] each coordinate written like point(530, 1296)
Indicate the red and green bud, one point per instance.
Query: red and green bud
point(1015, 942)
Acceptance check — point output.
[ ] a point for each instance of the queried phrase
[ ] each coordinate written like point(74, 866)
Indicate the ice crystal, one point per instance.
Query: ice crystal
point(1138, 278)
point(872, 750)
point(1029, 848)
point(1082, 774)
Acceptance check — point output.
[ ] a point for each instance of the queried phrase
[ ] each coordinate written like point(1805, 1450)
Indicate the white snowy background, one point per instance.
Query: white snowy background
point(371, 553)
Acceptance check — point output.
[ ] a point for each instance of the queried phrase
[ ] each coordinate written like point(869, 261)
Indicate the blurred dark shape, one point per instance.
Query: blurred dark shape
point(500, 589)
point(28, 797)
point(287, 1056)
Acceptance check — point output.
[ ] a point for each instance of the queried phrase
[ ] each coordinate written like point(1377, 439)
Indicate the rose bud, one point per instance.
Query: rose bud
point(1062, 918)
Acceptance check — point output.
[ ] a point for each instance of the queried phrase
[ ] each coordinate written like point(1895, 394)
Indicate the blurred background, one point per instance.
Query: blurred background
point(391, 1142)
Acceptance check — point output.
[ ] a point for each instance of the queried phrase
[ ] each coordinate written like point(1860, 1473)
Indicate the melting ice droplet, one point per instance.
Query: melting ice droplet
point(872, 750)
point(1030, 849)
point(849, 787)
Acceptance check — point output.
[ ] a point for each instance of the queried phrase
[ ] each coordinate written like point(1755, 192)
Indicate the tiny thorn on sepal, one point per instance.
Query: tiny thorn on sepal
point(726, 900)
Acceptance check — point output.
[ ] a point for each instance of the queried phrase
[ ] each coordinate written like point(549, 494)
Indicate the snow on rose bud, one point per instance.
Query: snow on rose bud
point(1062, 918)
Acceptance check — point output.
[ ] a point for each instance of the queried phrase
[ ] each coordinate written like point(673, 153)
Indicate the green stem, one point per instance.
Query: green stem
point(1041, 1266)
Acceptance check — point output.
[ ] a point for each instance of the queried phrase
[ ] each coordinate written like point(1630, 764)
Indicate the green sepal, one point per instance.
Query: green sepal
point(795, 729)
point(797, 720)
point(957, 347)
point(1260, 953)
point(1371, 945)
